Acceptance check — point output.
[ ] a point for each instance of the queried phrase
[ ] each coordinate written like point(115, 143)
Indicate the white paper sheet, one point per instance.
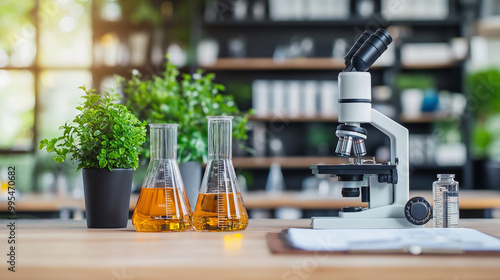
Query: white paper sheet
point(446, 240)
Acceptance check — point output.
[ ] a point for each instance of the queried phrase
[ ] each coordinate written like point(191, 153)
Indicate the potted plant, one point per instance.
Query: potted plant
point(105, 139)
point(484, 104)
point(185, 100)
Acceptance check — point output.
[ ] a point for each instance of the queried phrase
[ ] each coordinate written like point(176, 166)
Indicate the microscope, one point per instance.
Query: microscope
point(385, 186)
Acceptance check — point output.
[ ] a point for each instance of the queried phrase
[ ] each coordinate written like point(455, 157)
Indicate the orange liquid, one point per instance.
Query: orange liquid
point(151, 213)
point(224, 213)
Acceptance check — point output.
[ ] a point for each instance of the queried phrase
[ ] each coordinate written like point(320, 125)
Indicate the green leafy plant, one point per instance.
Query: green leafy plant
point(484, 101)
point(418, 81)
point(103, 135)
point(185, 100)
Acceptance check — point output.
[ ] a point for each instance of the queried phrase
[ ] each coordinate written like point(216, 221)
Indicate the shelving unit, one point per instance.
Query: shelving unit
point(262, 36)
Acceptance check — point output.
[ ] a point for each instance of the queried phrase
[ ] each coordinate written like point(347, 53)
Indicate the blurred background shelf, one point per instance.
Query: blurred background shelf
point(430, 65)
point(271, 64)
point(306, 63)
point(351, 21)
point(288, 118)
point(428, 117)
point(286, 162)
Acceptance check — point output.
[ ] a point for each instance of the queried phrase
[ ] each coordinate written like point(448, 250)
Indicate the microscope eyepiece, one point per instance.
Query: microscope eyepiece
point(371, 49)
point(357, 45)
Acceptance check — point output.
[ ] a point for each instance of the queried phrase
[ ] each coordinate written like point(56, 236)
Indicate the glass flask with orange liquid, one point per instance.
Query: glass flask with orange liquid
point(163, 204)
point(220, 206)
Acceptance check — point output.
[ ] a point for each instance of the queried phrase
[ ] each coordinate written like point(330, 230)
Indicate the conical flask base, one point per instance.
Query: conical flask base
point(220, 212)
point(156, 211)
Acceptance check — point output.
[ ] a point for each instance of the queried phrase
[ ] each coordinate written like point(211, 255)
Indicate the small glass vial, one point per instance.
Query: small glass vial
point(445, 197)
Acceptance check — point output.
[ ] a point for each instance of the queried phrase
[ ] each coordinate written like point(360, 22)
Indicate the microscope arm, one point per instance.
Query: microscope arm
point(398, 136)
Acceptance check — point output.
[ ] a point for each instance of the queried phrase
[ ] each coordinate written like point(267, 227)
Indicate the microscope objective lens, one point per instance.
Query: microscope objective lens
point(338, 149)
point(359, 147)
point(346, 147)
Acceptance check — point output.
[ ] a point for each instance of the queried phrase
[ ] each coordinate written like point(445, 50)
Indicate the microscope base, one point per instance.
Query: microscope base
point(336, 222)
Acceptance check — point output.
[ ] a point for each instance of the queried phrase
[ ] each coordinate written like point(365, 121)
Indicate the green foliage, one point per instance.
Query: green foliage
point(418, 81)
point(484, 100)
point(15, 21)
point(186, 100)
point(103, 135)
point(484, 90)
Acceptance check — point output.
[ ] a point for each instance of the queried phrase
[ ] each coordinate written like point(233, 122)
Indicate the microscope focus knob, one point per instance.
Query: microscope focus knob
point(418, 210)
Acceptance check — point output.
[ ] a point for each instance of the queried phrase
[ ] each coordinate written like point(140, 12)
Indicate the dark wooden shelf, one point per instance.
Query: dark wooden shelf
point(488, 27)
point(427, 167)
point(126, 70)
point(286, 162)
point(288, 118)
point(271, 64)
point(101, 27)
point(439, 65)
point(320, 63)
point(428, 117)
point(351, 21)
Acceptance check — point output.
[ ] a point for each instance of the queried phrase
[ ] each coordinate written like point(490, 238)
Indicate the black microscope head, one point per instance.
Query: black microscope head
point(366, 51)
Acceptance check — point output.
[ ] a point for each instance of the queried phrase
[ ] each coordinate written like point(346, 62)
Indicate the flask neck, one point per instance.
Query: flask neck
point(219, 137)
point(163, 141)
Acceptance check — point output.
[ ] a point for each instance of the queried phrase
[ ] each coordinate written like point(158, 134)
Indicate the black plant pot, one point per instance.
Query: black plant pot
point(107, 197)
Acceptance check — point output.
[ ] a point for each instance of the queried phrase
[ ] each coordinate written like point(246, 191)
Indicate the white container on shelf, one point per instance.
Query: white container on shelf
point(207, 52)
point(260, 95)
point(309, 97)
point(450, 154)
point(138, 42)
point(326, 9)
point(418, 53)
point(411, 102)
point(293, 98)
point(329, 96)
point(296, 8)
point(279, 10)
point(278, 93)
point(415, 10)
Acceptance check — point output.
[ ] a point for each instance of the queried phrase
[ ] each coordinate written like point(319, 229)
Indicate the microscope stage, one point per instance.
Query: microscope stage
point(353, 169)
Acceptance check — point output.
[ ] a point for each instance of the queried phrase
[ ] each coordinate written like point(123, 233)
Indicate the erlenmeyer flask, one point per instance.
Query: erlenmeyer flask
point(220, 206)
point(163, 204)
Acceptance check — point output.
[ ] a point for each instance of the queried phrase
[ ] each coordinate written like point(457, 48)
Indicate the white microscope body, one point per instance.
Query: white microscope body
point(387, 201)
point(384, 186)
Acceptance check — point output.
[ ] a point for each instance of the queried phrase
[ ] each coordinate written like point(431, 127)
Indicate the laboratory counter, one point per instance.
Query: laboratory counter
point(65, 249)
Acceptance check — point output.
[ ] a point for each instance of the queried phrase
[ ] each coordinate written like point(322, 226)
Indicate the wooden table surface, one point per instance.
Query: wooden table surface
point(469, 199)
point(59, 249)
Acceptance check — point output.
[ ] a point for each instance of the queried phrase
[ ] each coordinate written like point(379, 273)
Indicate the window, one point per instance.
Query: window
point(45, 55)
